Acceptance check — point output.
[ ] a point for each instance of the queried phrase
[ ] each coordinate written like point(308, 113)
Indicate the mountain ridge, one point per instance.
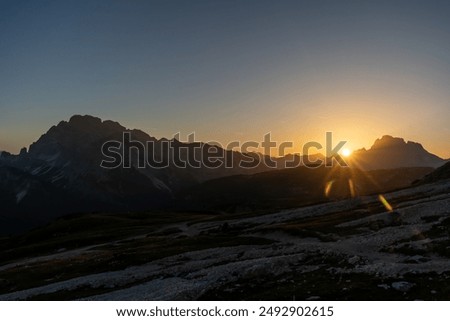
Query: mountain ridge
point(390, 152)
point(60, 173)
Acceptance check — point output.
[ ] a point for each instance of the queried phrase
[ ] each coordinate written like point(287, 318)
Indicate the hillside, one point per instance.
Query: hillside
point(440, 173)
point(352, 249)
point(295, 187)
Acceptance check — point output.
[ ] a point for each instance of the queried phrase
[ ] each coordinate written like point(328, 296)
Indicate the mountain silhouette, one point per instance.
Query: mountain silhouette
point(295, 187)
point(393, 152)
point(439, 174)
point(60, 173)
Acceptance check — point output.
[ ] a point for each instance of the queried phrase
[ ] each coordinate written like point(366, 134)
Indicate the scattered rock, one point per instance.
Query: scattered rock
point(394, 219)
point(375, 225)
point(225, 227)
point(417, 259)
point(384, 286)
point(402, 286)
point(354, 259)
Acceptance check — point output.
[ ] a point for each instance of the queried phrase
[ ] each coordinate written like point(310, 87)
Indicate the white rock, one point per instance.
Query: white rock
point(384, 286)
point(402, 286)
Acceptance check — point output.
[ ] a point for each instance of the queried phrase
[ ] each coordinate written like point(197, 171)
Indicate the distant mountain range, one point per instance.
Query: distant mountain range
point(393, 152)
point(61, 174)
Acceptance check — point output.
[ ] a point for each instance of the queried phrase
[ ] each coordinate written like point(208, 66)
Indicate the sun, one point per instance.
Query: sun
point(346, 152)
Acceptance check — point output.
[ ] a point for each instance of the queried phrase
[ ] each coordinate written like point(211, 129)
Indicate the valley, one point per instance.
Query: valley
point(346, 249)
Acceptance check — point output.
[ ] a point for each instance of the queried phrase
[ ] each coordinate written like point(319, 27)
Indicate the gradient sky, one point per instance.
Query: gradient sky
point(229, 69)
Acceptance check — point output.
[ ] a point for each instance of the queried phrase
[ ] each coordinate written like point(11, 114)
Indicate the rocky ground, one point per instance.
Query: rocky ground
point(353, 249)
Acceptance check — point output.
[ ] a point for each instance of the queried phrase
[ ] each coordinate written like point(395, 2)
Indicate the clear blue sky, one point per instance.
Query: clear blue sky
point(229, 69)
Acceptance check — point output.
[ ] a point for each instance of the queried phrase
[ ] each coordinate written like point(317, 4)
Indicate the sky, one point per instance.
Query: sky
point(229, 70)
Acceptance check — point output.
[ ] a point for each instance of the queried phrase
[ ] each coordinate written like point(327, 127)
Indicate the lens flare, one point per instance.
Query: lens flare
point(385, 203)
point(328, 187)
point(351, 187)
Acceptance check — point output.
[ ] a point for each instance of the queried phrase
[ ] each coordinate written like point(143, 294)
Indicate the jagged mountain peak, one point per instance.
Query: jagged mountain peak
point(84, 119)
point(79, 131)
point(388, 141)
point(94, 127)
point(89, 123)
point(415, 145)
point(394, 152)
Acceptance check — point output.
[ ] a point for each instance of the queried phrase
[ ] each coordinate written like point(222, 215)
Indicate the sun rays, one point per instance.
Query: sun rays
point(344, 181)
